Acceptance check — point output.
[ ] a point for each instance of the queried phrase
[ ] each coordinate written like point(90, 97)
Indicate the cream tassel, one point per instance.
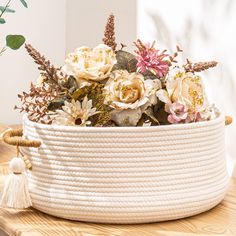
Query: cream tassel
point(16, 192)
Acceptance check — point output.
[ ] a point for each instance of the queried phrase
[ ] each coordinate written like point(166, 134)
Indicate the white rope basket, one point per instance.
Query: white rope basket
point(127, 174)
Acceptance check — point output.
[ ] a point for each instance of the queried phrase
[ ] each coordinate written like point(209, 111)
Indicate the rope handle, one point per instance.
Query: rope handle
point(228, 120)
point(14, 137)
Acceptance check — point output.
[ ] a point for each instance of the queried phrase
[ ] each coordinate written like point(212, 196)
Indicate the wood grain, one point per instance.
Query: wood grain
point(219, 221)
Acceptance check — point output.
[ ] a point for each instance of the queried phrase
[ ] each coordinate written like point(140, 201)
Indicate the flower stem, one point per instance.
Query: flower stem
point(3, 50)
point(5, 8)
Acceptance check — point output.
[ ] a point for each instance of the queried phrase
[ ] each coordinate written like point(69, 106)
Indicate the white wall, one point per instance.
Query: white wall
point(205, 29)
point(86, 21)
point(43, 25)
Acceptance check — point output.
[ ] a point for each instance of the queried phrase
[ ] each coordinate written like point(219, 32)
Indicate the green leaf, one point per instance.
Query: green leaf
point(2, 21)
point(56, 104)
point(7, 9)
point(149, 75)
point(15, 41)
point(24, 3)
point(80, 93)
point(125, 61)
point(71, 84)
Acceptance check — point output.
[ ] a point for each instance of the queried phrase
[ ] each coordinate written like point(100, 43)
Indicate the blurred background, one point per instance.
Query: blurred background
point(204, 29)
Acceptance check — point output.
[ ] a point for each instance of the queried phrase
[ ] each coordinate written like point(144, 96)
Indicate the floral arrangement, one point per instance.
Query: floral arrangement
point(106, 86)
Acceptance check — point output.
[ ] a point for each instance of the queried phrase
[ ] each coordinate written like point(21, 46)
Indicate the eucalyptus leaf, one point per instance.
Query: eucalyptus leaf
point(125, 61)
point(2, 21)
point(24, 3)
point(15, 41)
point(6, 9)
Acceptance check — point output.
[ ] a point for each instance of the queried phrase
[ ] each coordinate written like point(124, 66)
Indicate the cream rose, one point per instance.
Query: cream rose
point(90, 63)
point(128, 93)
point(187, 89)
point(126, 90)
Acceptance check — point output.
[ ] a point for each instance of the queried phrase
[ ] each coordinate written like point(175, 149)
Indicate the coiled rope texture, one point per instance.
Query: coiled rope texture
point(127, 175)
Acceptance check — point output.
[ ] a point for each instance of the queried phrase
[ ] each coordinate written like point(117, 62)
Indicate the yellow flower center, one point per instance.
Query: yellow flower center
point(129, 94)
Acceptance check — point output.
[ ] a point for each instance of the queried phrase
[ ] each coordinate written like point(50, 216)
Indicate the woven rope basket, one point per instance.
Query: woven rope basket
point(127, 174)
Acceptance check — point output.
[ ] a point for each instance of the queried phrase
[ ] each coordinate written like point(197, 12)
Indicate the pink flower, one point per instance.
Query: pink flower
point(151, 59)
point(178, 113)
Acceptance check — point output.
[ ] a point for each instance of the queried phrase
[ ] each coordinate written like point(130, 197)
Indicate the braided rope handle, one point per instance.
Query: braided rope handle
point(228, 120)
point(14, 137)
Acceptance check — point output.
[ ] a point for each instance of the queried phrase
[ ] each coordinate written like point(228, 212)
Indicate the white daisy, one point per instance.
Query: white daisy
point(75, 113)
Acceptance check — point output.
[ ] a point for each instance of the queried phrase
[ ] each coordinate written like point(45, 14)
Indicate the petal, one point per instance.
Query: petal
point(172, 120)
point(163, 96)
point(126, 117)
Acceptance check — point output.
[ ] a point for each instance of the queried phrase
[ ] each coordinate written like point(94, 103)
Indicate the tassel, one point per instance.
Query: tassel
point(15, 192)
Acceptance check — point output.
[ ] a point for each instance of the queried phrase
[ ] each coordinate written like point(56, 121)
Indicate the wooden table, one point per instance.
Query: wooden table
point(219, 221)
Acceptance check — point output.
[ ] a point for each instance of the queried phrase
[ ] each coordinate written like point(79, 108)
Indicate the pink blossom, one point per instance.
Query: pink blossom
point(178, 113)
point(151, 59)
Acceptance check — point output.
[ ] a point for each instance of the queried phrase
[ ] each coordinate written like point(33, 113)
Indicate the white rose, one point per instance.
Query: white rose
point(126, 90)
point(187, 89)
point(129, 94)
point(90, 63)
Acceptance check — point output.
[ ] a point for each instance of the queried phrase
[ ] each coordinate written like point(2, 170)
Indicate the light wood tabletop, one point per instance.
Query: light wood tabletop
point(219, 221)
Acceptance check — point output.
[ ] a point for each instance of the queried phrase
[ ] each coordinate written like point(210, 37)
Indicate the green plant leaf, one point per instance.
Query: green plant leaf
point(7, 9)
point(24, 3)
point(125, 61)
point(15, 41)
point(2, 21)
point(71, 84)
point(56, 104)
point(149, 75)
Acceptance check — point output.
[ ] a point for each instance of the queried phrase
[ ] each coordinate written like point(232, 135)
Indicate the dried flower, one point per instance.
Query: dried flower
point(129, 95)
point(93, 64)
point(109, 33)
point(35, 102)
point(95, 93)
point(75, 113)
point(48, 70)
point(126, 90)
point(104, 87)
point(178, 112)
point(184, 88)
point(151, 59)
point(200, 66)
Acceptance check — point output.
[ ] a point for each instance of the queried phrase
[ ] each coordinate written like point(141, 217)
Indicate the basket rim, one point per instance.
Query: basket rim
point(217, 120)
